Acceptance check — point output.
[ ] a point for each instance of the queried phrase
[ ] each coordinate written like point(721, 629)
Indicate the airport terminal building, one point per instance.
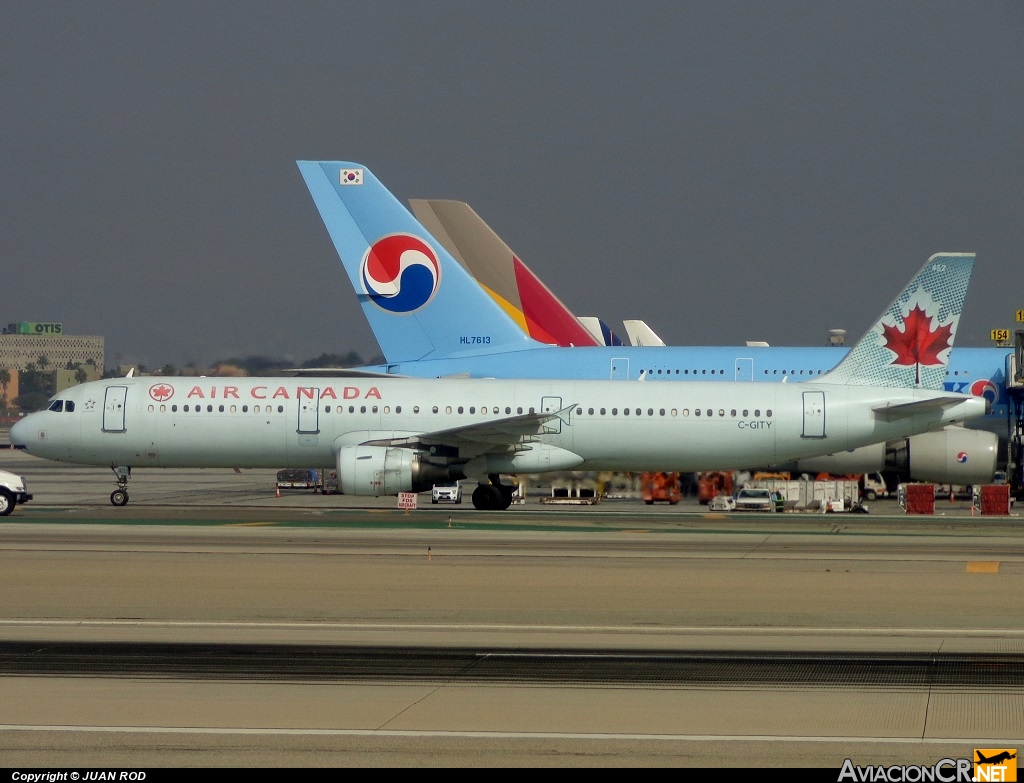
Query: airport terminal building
point(25, 343)
point(22, 344)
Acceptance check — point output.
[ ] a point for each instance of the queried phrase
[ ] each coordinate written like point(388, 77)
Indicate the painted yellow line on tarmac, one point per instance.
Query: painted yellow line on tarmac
point(983, 567)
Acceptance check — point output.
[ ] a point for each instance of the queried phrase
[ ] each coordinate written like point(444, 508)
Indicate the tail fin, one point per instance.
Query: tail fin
point(500, 271)
point(600, 330)
point(640, 334)
point(910, 343)
point(421, 304)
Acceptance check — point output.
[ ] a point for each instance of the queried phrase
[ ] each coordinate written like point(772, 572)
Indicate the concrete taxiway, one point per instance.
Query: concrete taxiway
point(215, 558)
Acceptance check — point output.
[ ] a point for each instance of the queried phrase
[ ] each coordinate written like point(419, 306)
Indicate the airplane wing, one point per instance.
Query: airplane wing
point(509, 431)
point(337, 372)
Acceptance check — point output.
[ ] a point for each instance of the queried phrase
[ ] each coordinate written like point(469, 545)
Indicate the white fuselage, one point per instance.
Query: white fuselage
point(303, 422)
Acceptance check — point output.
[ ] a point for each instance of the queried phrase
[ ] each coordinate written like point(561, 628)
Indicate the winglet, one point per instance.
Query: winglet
point(910, 343)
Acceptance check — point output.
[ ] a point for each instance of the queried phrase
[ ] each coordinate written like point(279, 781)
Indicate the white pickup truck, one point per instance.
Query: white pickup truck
point(12, 492)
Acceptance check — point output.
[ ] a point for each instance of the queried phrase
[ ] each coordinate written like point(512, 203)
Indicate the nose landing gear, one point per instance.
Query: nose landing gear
point(119, 497)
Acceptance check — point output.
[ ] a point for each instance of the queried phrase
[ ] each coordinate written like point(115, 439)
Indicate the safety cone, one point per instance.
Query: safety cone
point(278, 493)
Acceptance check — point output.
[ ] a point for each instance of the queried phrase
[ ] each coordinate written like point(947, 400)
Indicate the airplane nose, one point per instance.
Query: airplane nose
point(19, 434)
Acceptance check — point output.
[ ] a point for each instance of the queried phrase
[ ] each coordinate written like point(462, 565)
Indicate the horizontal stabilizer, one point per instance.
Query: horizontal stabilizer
point(894, 412)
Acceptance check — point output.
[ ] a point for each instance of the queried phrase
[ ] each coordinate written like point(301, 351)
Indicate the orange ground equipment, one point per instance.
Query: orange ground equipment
point(657, 487)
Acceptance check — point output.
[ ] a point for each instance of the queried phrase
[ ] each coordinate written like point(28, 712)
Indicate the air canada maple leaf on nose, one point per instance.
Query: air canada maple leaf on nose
point(918, 343)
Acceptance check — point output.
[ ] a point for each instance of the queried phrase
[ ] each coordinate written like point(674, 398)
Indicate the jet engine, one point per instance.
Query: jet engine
point(380, 470)
point(954, 455)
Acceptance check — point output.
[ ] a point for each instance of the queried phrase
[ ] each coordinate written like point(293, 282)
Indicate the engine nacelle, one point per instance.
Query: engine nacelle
point(866, 459)
point(380, 470)
point(954, 455)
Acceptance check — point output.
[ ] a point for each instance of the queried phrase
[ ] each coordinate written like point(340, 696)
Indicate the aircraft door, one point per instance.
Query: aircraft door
point(814, 414)
point(744, 369)
point(309, 411)
point(620, 370)
point(113, 408)
point(551, 405)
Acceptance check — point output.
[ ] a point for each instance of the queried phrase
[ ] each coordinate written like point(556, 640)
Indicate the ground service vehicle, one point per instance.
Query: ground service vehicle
point(659, 486)
point(12, 492)
point(299, 478)
point(755, 499)
point(447, 493)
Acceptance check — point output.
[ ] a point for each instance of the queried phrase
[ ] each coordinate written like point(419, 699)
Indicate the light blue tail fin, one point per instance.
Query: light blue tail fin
point(420, 302)
point(910, 343)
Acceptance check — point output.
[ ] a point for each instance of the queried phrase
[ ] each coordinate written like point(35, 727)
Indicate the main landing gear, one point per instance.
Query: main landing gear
point(119, 497)
point(494, 496)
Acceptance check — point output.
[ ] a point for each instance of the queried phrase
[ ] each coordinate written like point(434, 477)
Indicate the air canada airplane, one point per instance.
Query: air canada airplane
point(433, 320)
point(391, 435)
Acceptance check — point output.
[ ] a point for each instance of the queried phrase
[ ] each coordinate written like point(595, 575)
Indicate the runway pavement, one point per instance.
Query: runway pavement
point(214, 558)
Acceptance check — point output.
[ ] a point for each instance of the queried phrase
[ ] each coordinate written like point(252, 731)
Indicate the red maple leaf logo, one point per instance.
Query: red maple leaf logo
point(161, 392)
point(917, 344)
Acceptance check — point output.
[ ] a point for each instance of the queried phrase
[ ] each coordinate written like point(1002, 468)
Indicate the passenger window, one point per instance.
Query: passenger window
point(234, 408)
point(745, 412)
point(710, 412)
point(638, 411)
point(415, 408)
point(398, 409)
point(362, 409)
point(696, 411)
point(625, 411)
point(721, 412)
point(163, 408)
point(508, 410)
point(209, 409)
point(650, 412)
point(757, 412)
point(374, 409)
point(387, 409)
point(151, 408)
point(673, 412)
point(472, 409)
point(435, 409)
point(590, 411)
point(280, 409)
point(245, 409)
point(221, 409)
point(461, 409)
point(579, 411)
point(615, 411)
point(185, 408)
point(447, 408)
point(768, 413)
point(602, 411)
point(174, 409)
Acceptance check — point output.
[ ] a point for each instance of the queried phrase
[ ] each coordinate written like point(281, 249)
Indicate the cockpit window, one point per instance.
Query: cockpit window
point(57, 406)
point(69, 406)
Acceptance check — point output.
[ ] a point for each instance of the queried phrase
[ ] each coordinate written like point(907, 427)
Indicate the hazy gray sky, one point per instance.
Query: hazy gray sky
point(724, 170)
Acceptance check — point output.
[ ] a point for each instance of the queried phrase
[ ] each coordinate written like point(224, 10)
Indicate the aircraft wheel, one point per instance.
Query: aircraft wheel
point(487, 497)
point(6, 502)
point(119, 497)
point(506, 497)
